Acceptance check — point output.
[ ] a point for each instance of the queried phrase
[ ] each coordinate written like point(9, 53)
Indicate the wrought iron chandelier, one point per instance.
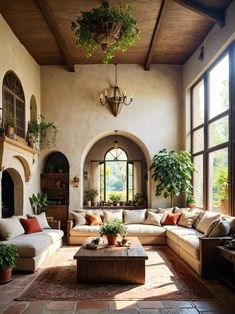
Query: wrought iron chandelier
point(116, 98)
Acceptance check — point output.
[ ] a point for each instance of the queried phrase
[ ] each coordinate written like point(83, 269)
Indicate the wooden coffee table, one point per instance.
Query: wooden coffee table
point(112, 264)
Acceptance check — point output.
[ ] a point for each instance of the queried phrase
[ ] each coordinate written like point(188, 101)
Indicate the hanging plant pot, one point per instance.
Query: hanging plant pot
point(108, 34)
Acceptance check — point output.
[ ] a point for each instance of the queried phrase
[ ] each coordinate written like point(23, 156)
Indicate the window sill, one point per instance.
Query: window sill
point(17, 143)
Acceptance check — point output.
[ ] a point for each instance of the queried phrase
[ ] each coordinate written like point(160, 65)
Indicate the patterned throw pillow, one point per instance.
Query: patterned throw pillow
point(206, 220)
point(221, 229)
point(153, 219)
point(187, 219)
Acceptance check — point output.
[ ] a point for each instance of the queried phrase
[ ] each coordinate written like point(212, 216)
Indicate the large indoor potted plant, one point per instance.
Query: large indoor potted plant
point(41, 133)
point(8, 257)
point(172, 172)
point(112, 229)
point(113, 28)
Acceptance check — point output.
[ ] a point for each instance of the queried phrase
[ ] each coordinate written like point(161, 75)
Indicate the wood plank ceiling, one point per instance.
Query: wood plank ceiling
point(171, 30)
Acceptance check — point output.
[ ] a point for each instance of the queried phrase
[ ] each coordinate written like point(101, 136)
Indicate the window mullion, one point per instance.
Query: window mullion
point(206, 155)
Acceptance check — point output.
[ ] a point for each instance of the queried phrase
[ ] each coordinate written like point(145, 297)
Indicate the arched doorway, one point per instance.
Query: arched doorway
point(12, 193)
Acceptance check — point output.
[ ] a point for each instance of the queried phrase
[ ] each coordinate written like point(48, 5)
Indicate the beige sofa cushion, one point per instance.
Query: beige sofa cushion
point(221, 229)
point(134, 216)
point(42, 220)
point(79, 218)
point(85, 230)
point(142, 230)
point(112, 214)
point(187, 219)
point(10, 228)
point(54, 234)
point(175, 232)
point(206, 220)
point(191, 244)
point(211, 227)
point(153, 219)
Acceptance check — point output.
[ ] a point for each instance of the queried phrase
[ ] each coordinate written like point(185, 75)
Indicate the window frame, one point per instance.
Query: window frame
point(230, 112)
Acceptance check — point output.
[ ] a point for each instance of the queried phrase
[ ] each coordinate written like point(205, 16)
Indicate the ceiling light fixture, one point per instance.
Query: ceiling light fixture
point(117, 97)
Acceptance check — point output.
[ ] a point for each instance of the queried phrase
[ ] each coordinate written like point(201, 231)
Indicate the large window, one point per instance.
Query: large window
point(210, 135)
point(14, 102)
point(116, 176)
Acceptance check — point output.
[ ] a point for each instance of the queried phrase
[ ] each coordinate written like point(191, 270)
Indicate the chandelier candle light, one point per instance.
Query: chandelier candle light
point(117, 97)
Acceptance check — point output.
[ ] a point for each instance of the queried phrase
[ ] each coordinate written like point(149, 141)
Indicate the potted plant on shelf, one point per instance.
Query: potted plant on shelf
point(91, 194)
point(115, 198)
point(112, 229)
point(39, 202)
point(113, 28)
point(8, 257)
point(173, 173)
point(41, 133)
point(191, 201)
point(138, 199)
point(9, 125)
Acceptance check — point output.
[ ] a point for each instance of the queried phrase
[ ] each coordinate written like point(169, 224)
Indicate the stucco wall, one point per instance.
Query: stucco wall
point(13, 56)
point(154, 119)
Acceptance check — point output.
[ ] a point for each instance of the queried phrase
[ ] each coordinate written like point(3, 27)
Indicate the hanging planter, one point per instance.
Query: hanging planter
point(112, 28)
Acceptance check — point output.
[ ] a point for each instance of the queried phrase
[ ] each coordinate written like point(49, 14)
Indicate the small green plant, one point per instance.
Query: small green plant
point(190, 199)
point(138, 198)
point(8, 256)
point(115, 196)
point(113, 227)
point(223, 184)
point(38, 202)
point(93, 27)
point(44, 132)
point(9, 120)
point(91, 193)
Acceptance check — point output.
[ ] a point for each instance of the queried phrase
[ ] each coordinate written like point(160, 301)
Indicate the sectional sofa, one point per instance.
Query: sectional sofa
point(193, 238)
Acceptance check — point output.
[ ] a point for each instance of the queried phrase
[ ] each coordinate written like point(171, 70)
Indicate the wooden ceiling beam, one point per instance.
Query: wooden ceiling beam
point(156, 32)
point(50, 19)
point(211, 14)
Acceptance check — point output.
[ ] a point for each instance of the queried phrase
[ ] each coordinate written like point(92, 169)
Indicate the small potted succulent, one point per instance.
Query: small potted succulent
point(112, 229)
point(8, 257)
point(138, 199)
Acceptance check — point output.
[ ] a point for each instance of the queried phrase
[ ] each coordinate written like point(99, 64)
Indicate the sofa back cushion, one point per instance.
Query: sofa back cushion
point(42, 219)
point(188, 218)
point(10, 228)
point(153, 219)
point(79, 218)
point(112, 214)
point(206, 220)
point(134, 216)
point(31, 225)
point(221, 229)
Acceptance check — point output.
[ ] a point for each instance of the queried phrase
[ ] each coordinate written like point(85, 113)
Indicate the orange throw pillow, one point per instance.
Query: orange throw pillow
point(172, 219)
point(94, 219)
point(31, 225)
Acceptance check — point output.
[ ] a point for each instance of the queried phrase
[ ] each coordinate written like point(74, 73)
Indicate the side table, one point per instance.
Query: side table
point(227, 255)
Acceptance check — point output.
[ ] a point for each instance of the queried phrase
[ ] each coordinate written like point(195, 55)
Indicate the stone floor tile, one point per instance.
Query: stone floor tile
point(15, 308)
point(92, 305)
point(185, 311)
point(150, 305)
point(209, 306)
point(176, 304)
point(35, 307)
point(61, 305)
point(122, 305)
point(149, 311)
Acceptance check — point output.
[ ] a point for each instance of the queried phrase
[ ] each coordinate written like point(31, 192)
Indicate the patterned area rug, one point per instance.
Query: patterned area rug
point(167, 277)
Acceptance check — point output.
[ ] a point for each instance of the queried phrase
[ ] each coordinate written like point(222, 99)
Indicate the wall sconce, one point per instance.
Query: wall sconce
point(75, 182)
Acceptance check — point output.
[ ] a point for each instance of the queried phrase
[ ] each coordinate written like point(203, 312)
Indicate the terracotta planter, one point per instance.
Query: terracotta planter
point(224, 206)
point(111, 238)
point(5, 275)
point(192, 205)
point(9, 131)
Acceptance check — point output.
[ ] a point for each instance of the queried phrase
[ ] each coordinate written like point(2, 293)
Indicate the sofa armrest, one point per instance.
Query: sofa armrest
point(208, 256)
point(56, 224)
point(69, 227)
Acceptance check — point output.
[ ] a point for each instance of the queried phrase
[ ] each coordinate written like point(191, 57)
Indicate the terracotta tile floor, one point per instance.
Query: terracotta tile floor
point(224, 303)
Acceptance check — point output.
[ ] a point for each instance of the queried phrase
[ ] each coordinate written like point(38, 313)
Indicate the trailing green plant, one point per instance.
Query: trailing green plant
point(94, 22)
point(91, 193)
point(39, 202)
point(173, 173)
point(113, 227)
point(8, 256)
point(44, 132)
point(9, 120)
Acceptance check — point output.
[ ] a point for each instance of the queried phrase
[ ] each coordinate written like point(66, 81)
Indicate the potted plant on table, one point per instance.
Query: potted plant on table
point(39, 202)
point(112, 229)
point(8, 257)
point(113, 28)
point(9, 125)
point(173, 173)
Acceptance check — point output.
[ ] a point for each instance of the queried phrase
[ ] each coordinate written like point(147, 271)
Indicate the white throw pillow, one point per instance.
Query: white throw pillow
point(79, 218)
point(10, 228)
point(134, 216)
point(42, 220)
point(206, 220)
point(112, 214)
point(153, 219)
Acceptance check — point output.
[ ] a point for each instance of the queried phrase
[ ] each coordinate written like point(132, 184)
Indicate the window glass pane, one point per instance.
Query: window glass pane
point(116, 154)
point(218, 132)
point(115, 179)
point(198, 104)
point(218, 180)
point(219, 88)
point(198, 180)
point(19, 118)
point(130, 182)
point(198, 140)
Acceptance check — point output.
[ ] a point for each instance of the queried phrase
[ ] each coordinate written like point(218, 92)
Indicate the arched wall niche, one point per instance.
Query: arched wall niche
point(18, 190)
point(98, 147)
point(24, 163)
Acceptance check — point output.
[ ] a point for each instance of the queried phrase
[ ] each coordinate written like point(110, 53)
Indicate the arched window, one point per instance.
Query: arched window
point(116, 176)
point(14, 101)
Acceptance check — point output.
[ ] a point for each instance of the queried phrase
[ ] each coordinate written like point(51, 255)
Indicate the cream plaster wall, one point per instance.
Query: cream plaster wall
point(154, 119)
point(214, 44)
point(13, 56)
